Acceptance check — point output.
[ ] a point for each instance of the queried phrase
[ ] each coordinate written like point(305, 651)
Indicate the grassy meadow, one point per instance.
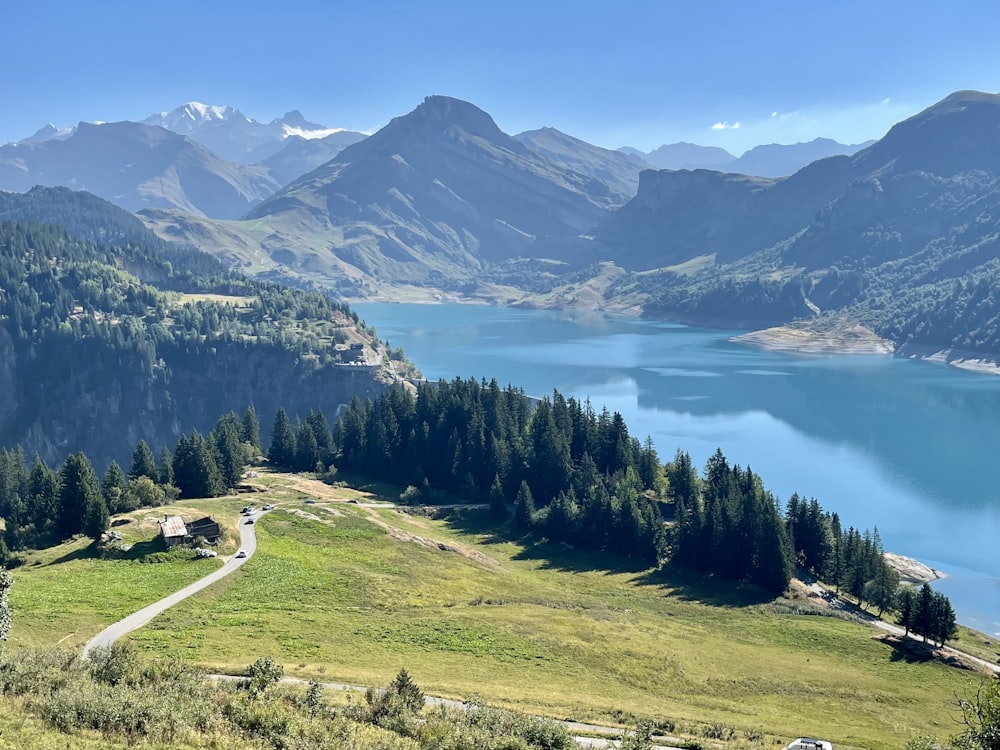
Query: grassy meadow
point(343, 593)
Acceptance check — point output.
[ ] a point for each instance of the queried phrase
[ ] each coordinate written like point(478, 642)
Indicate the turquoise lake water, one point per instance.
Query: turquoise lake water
point(907, 446)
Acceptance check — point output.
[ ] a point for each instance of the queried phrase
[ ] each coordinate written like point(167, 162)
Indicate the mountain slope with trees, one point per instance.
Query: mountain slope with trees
point(104, 342)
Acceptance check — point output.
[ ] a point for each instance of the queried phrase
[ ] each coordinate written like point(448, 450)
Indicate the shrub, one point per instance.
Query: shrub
point(262, 674)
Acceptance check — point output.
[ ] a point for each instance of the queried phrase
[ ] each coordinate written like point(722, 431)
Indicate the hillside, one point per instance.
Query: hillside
point(107, 337)
point(467, 607)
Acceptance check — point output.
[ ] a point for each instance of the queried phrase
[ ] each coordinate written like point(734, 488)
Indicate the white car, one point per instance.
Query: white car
point(269, 506)
point(241, 553)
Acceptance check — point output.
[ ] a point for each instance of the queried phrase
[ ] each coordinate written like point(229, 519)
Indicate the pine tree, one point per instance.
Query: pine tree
point(281, 451)
point(78, 489)
point(43, 491)
point(142, 462)
point(923, 615)
point(165, 468)
point(498, 503)
point(114, 489)
point(96, 519)
point(250, 429)
point(524, 507)
point(906, 607)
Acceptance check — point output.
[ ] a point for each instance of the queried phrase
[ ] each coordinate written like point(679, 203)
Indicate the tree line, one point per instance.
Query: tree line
point(42, 506)
point(554, 467)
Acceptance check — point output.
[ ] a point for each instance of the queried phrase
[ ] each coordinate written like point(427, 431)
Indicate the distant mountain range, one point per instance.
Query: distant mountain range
point(441, 199)
point(773, 160)
point(236, 137)
point(138, 166)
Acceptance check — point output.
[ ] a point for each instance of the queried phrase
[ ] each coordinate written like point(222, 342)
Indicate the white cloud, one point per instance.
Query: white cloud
point(886, 101)
point(726, 126)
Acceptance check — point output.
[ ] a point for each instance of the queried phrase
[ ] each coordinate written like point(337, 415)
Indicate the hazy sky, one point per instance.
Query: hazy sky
point(732, 74)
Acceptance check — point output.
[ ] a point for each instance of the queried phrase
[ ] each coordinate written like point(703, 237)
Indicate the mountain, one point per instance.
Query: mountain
point(617, 170)
point(435, 194)
point(688, 156)
point(299, 155)
point(681, 215)
point(234, 136)
point(778, 160)
point(109, 335)
point(903, 236)
point(774, 160)
point(47, 133)
point(138, 166)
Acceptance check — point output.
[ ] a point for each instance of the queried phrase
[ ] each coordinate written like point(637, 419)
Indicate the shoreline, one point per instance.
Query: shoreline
point(842, 339)
point(912, 571)
point(837, 340)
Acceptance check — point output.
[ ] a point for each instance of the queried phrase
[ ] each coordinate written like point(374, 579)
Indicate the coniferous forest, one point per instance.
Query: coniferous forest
point(554, 469)
point(108, 334)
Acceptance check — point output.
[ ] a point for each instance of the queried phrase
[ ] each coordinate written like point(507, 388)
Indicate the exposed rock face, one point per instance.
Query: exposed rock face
point(106, 412)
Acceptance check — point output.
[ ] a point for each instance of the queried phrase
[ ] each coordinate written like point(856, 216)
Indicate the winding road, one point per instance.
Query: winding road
point(248, 542)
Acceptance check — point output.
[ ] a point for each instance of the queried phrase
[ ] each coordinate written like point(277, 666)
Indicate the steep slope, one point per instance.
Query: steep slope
point(137, 166)
point(435, 194)
point(95, 353)
point(680, 215)
point(618, 170)
point(908, 242)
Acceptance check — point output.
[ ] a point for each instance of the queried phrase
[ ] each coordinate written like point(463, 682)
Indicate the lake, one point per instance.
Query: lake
point(908, 446)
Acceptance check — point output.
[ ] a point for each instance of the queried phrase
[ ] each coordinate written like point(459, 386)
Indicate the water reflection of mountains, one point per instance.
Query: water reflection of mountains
point(940, 428)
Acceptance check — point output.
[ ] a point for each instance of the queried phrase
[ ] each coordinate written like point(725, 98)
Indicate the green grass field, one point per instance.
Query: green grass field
point(349, 594)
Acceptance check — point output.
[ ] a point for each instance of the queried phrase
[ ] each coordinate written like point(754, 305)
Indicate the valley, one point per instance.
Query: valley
point(767, 306)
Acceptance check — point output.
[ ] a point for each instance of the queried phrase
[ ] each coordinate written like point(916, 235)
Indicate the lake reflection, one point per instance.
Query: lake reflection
point(906, 446)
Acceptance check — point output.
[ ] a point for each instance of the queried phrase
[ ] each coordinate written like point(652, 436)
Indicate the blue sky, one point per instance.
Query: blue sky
point(626, 73)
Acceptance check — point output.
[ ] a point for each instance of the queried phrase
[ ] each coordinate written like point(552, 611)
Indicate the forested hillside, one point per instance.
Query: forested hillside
point(901, 237)
point(107, 337)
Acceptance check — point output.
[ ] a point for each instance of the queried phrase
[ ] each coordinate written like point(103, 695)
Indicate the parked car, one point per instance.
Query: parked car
point(269, 506)
point(310, 501)
point(241, 553)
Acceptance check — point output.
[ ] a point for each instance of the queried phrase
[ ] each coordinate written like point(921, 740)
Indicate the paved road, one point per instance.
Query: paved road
point(877, 622)
point(248, 542)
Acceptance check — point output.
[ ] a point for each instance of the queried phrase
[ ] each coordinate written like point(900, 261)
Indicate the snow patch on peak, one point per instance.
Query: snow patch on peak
point(199, 111)
point(308, 135)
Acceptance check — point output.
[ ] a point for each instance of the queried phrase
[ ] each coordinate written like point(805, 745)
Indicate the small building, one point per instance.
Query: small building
point(205, 527)
point(173, 530)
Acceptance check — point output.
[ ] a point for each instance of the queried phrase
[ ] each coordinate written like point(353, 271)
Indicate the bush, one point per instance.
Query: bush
point(262, 674)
